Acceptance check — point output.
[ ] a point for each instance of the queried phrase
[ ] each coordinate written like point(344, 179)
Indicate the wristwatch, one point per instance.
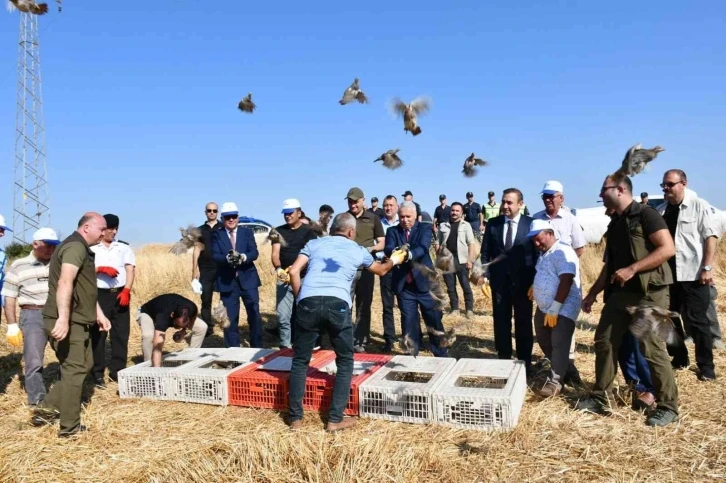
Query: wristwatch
point(707, 268)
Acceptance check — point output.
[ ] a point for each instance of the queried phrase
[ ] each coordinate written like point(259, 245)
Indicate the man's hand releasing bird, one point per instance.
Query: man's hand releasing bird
point(410, 112)
point(636, 160)
point(27, 6)
point(390, 159)
point(470, 164)
point(219, 314)
point(353, 93)
point(246, 104)
point(190, 236)
point(652, 319)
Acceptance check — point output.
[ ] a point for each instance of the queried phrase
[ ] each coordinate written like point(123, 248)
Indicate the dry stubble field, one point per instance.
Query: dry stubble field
point(141, 441)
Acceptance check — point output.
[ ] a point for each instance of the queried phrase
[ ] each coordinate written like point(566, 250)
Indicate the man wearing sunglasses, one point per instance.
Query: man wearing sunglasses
point(694, 233)
point(204, 270)
point(234, 250)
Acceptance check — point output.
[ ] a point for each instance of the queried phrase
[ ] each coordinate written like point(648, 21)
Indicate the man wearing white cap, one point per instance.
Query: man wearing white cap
point(556, 291)
point(295, 235)
point(26, 284)
point(234, 250)
point(3, 257)
point(569, 232)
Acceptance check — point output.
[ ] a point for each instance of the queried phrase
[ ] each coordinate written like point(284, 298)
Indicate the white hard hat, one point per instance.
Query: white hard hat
point(290, 205)
point(551, 187)
point(46, 235)
point(229, 208)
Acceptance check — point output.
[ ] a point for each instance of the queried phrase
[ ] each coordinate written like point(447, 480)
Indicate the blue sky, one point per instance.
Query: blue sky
point(141, 117)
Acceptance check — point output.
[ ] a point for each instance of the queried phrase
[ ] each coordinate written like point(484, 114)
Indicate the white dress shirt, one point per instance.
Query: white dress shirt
point(514, 223)
point(567, 226)
point(116, 255)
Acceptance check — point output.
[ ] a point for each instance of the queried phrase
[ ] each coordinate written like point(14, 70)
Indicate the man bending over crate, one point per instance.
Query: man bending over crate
point(162, 313)
point(323, 303)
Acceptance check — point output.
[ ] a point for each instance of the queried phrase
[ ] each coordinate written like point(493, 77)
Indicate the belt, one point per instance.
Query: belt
point(112, 290)
point(32, 307)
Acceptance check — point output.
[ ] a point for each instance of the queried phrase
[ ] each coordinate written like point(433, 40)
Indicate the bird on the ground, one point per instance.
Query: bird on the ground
point(352, 93)
point(652, 319)
point(390, 159)
point(191, 236)
point(478, 268)
point(410, 112)
point(275, 237)
point(470, 164)
point(636, 160)
point(219, 314)
point(27, 6)
point(445, 260)
point(246, 104)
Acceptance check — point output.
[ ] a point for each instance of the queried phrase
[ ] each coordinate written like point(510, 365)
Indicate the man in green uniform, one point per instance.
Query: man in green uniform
point(70, 311)
point(636, 272)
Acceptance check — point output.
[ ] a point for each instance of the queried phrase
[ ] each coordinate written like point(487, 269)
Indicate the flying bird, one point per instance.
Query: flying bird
point(246, 104)
point(636, 160)
point(219, 314)
point(275, 237)
point(27, 6)
point(353, 92)
point(478, 268)
point(390, 159)
point(410, 112)
point(647, 319)
point(191, 236)
point(435, 288)
point(470, 164)
point(445, 260)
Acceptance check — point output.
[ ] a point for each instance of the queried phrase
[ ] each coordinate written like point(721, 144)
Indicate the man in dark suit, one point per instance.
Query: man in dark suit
point(511, 278)
point(411, 285)
point(236, 275)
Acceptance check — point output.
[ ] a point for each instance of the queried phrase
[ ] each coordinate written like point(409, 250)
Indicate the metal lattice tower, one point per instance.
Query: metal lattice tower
point(31, 208)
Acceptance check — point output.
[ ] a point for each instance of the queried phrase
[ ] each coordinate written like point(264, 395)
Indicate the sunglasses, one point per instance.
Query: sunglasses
point(548, 197)
point(230, 217)
point(670, 184)
point(211, 211)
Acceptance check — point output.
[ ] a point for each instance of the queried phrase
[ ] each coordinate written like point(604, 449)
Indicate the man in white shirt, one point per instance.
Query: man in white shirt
point(690, 222)
point(115, 272)
point(390, 219)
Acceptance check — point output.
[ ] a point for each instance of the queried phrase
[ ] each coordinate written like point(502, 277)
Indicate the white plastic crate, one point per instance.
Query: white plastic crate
point(385, 395)
point(205, 381)
point(142, 380)
point(481, 394)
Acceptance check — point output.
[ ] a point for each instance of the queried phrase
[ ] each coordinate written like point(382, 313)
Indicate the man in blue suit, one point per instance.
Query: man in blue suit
point(234, 250)
point(410, 285)
point(511, 278)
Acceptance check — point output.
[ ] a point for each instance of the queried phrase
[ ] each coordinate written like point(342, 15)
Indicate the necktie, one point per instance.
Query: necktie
point(409, 275)
point(509, 241)
point(232, 239)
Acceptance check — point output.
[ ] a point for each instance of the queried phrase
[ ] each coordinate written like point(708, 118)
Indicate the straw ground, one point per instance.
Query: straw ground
point(140, 441)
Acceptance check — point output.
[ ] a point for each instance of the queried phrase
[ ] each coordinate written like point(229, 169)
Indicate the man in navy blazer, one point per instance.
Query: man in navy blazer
point(237, 275)
point(410, 285)
point(511, 278)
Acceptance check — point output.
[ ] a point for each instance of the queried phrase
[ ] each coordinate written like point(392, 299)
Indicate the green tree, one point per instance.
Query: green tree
point(17, 250)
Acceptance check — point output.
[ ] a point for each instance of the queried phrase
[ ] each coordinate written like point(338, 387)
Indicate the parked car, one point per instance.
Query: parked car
point(260, 227)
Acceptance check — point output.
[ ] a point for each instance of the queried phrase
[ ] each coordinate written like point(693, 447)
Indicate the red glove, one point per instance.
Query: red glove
point(110, 271)
point(124, 297)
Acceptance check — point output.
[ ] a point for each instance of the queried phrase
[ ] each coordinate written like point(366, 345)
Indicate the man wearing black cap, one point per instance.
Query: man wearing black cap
point(375, 209)
point(644, 198)
point(491, 208)
point(473, 215)
point(408, 196)
point(442, 213)
point(115, 271)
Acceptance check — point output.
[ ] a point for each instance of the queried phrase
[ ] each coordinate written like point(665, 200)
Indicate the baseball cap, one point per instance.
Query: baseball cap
point(551, 187)
point(290, 205)
point(355, 194)
point(538, 225)
point(442, 197)
point(407, 193)
point(3, 225)
point(469, 194)
point(112, 221)
point(229, 208)
point(374, 199)
point(491, 193)
point(46, 235)
point(644, 194)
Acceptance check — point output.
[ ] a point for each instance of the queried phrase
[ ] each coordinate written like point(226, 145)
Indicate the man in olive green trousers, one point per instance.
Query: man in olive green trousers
point(70, 311)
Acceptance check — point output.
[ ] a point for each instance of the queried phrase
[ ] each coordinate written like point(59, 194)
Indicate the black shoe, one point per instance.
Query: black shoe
point(43, 416)
point(678, 365)
point(706, 376)
point(77, 430)
point(100, 383)
point(661, 417)
point(387, 348)
point(590, 405)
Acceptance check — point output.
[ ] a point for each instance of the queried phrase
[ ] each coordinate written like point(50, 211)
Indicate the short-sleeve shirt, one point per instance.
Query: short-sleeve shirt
point(205, 260)
point(27, 281)
point(558, 260)
point(378, 212)
point(332, 264)
point(471, 212)
point(490, 211)
point(75, 251)
point(442, 215)
point(295, 240)
point(161, 307)
point(618, 249)
point(568, 228)
point(368, 228)
point(116, 255)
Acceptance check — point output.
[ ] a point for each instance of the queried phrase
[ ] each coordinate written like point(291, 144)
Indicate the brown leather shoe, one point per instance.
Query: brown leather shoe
point(344, 424)
point(295, 425)
point(643, 401)
point(549, 390)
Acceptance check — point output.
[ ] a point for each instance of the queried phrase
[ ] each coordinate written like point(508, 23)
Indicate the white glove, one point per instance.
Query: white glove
point(196, 287)
point(14, 336)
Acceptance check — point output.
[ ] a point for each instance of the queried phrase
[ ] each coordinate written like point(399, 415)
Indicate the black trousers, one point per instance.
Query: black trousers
point(509, 298)
point(120, 327)
point(363, 299)
point(691, 300)
point(206, 278)
point(389, 328)
point(450, 279)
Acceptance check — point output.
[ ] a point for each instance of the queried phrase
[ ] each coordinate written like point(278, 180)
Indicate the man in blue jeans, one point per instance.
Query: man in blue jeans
point(323, 303)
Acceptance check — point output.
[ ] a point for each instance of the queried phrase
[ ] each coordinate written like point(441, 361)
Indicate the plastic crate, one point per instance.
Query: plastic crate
point(265, 384)
point(320, 381)
point(402, 390)
point(145, 381)
point(481, 394)
point(205, 381)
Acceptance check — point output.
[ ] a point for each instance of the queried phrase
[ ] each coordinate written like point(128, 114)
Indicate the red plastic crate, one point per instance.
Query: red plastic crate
point(319, 384)
point(253, 386)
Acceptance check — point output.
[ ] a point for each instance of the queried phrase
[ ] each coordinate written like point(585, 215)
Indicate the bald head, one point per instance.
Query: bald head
point(91, 227)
